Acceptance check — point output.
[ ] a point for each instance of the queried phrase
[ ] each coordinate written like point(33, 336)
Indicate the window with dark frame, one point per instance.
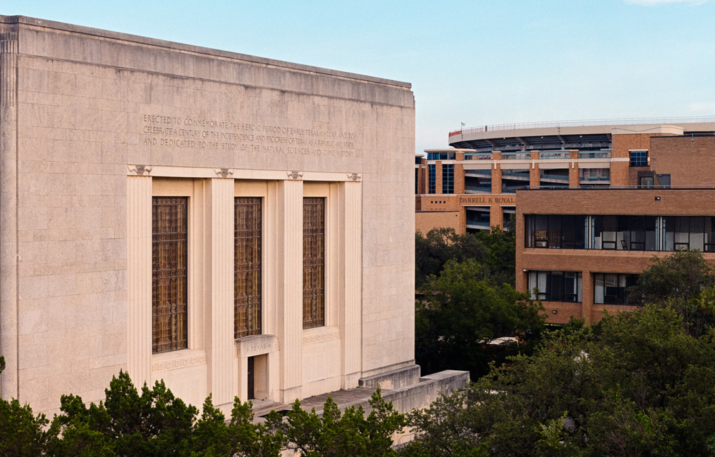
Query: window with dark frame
point(639, 158)
point(555, 231)
point(247, 266)
point(313, 262)
point(612, 288)
point(447, 179)
point(560, 286)
point(169, 274)
point(432, 188)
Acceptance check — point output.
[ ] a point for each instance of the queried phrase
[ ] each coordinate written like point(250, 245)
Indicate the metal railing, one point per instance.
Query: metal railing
point(624, 187)
point(554, 155)
point(487, 156)
point(583, 123)
point(554, 177)
point(516, 155)
point(594, 155)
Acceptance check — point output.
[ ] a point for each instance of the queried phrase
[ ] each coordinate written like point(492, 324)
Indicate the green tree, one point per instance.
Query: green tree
point(683, 281)
point(501, 245)
point(21, 432)
point(679, 276)
point(460, 311)
point(440, 246)
point(634, 384)
point(336, 434)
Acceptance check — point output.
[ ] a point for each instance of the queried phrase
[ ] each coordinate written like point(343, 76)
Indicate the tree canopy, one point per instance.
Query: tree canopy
point(633, 385)
point(461, 310)
point(154, 422)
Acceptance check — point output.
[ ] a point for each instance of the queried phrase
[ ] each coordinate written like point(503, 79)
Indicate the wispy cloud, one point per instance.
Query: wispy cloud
point(663, 2)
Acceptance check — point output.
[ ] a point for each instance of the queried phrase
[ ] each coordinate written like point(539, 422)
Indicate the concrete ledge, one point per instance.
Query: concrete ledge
point(404, 399)
point(394, 379)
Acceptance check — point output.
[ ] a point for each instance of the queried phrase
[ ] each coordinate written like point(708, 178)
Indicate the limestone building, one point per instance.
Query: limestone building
point(231, 224)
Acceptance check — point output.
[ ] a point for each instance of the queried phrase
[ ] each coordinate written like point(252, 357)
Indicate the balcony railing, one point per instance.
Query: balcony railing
point(594, 155)
point(554, 155)
point(478, 156)
point(516, 156)
point(595, 179)
point(554, 177)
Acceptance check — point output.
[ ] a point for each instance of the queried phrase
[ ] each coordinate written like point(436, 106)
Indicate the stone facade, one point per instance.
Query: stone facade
point(96, 123)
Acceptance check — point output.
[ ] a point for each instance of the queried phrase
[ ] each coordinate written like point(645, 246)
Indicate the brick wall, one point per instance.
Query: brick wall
point(690, 202)
point(688, 160)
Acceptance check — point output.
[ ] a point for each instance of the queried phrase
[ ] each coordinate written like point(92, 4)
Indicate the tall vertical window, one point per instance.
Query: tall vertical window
point(417, 181)
point(247, 267)
point(313, 262)
point(639, 158)
point(447, 179)
point(169, 273)
point(432, 179)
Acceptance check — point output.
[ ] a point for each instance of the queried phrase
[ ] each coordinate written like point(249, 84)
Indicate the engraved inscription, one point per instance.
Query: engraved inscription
point(200, 133)
point(320, 337)
point(178, 363)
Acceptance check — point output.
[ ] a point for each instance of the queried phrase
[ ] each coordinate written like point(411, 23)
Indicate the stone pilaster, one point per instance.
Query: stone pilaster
point(289, 282)
point(351, 284)
point(139, 278)
point(220, 309)
point(9, 380)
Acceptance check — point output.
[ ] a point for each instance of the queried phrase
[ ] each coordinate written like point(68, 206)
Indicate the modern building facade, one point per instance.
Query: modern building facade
point(582, 248)
point(593, 202)
point(473, 185)
point(230, 224)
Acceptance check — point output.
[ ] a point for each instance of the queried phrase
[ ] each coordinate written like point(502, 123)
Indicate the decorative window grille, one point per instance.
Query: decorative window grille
point(313, 262)
point(169, 273)
point(247, 267)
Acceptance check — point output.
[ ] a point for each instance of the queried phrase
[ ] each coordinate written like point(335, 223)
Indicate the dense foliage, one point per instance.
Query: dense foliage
point(634, 385)
point(155, 423)
point(466, 299)
point(495, 251)
point(462, 310)
point(683, 281)
point(439, 246)
point(501, 246)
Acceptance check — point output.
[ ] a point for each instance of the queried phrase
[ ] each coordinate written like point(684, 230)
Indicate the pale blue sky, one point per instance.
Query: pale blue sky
point(478, 62)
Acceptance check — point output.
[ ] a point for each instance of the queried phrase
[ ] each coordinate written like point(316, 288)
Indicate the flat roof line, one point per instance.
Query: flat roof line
point(31, 21)
point(584, 123)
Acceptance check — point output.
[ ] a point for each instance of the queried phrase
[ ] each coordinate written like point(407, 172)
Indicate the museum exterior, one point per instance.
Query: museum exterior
point(230, 224)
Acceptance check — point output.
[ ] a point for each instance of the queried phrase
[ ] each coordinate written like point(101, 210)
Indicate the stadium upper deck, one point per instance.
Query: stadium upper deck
point(580, 135)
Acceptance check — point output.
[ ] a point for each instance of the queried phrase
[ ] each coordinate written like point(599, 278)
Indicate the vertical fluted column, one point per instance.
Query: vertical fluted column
point(139, 252)
point(289, 282)
point(352, 283)
point(9, 380)
point(220, 248)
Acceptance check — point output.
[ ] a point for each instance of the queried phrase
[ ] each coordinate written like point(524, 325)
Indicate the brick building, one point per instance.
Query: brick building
point(473, 185)
point(588, 218)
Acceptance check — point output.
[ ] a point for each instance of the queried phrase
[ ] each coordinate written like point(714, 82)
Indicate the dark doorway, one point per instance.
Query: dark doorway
point(251, 378)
